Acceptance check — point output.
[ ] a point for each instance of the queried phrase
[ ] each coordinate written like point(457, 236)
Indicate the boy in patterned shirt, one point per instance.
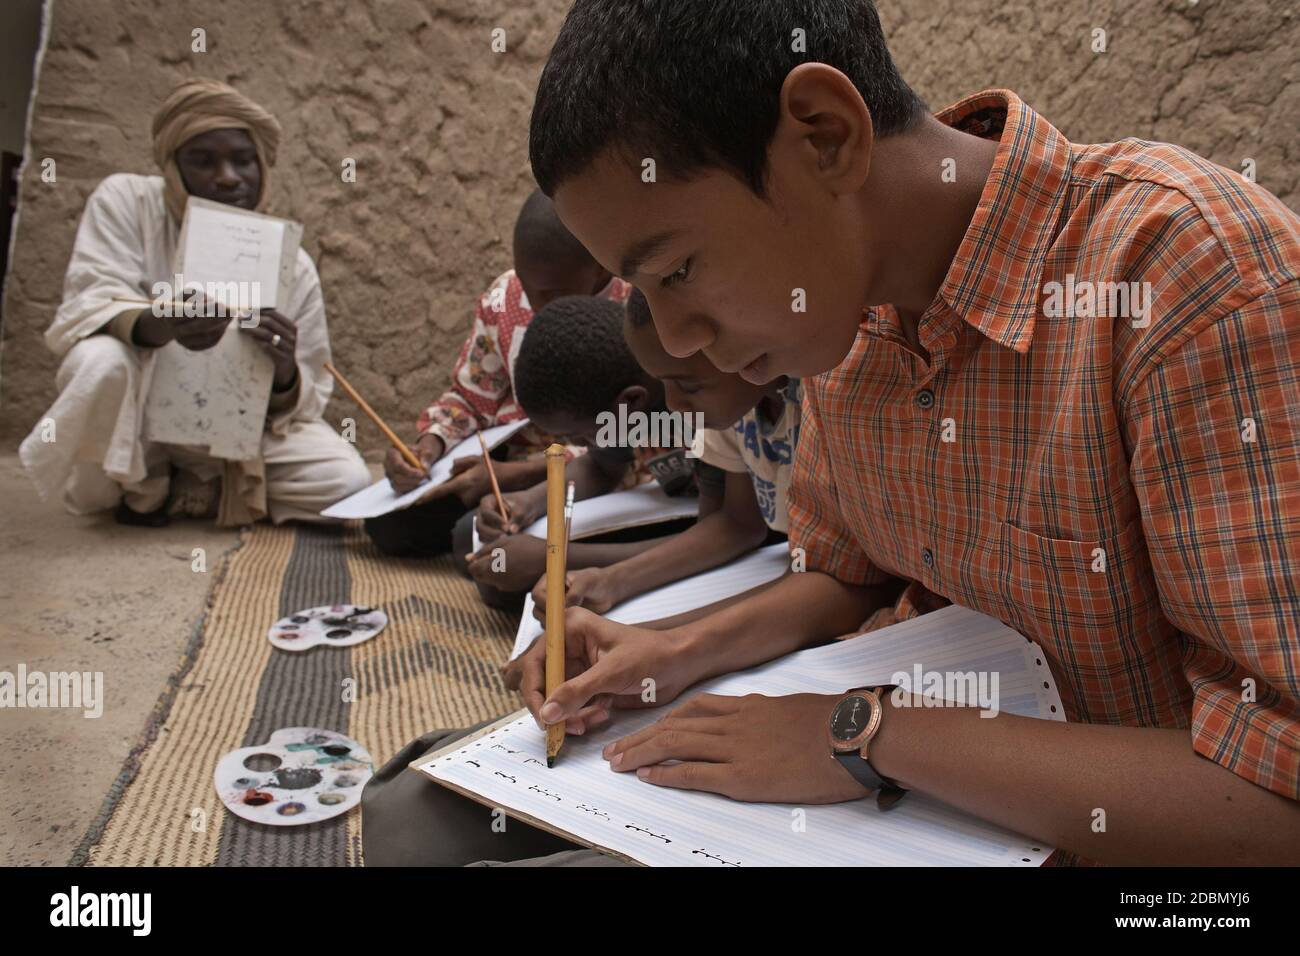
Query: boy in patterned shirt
point(549, 263)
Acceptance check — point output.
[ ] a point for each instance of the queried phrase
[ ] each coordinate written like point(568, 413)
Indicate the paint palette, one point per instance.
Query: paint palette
point(340, 625)
point(301, 775)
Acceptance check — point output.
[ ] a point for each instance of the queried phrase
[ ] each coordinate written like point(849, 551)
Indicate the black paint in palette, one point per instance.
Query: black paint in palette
point(301, 775)
point(334, 623)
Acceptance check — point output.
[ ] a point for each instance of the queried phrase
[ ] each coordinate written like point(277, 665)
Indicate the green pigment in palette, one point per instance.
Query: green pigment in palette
point(301, 775)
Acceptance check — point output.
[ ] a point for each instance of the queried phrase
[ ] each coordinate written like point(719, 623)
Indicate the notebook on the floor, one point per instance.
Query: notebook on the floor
point(584, 801)
point(381, 499)
point(751, 570)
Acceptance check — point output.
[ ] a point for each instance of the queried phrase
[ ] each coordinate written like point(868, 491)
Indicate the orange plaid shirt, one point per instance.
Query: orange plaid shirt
point(1124, 492)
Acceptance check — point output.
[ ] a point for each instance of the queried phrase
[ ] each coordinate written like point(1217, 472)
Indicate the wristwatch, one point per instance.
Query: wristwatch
point(854, 722)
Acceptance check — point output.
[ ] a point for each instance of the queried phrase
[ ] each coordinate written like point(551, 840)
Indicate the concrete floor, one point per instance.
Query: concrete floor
point(85, 594)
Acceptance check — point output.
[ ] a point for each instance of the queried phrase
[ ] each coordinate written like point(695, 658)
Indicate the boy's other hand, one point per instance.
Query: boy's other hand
point(525, 508)
point(468, 482)
point(753, 748)
point(521, 561)
point(401, 475)
point(512, 671)
point(592, 588)
point(607, 665)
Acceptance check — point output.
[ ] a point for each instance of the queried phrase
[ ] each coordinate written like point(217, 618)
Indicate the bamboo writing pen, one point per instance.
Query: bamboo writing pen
point(555, 573)
point(496, 488)
point(374, 417)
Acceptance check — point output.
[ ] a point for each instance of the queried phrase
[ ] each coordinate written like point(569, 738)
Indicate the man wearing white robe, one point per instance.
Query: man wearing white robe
point(89, 447)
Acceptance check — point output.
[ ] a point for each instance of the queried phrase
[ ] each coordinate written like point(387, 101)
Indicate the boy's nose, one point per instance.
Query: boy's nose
point(681, 332)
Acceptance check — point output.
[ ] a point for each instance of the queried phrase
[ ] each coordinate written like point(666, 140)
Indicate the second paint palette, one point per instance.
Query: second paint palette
point(340, 625)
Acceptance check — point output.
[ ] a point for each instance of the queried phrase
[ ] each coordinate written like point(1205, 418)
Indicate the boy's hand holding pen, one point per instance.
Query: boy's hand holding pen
point(401, 474)
point(525, 507)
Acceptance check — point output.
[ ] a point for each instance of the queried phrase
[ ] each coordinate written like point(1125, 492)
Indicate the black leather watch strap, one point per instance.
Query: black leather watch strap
point(861, 769)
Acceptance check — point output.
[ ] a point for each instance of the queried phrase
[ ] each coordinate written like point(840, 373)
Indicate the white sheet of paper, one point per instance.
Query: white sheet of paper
point(216, 398)
point(749, 571)
point(381, 499)
point(220, 245)
point(665, 827)
point(642, 505)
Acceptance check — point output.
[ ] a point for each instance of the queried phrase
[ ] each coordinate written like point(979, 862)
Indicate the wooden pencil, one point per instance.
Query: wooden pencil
point(178, 305)
point(406, 453)
point(492, 477)
point(555, 574)
point(131, 300)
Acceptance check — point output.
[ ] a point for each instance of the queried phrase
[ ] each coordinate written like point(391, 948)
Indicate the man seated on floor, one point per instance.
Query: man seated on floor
point(214, 143)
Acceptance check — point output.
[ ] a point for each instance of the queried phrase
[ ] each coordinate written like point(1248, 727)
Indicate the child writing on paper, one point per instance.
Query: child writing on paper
point(575, 369)
point(749, 437)
point(751, 432)
point(548, 263)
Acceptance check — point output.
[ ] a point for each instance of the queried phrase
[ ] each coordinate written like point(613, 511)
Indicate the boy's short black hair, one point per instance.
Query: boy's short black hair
point(540, 233)
point(697, 84)
point(574, 359)
point(638, 309)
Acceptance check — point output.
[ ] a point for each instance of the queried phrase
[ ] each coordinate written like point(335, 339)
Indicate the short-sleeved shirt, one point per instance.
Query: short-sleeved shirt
point(764, 447)
point(1120, 485)
point(482, 394)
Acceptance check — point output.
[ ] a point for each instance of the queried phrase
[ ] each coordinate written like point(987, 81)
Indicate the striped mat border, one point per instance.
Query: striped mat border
point(434, 666)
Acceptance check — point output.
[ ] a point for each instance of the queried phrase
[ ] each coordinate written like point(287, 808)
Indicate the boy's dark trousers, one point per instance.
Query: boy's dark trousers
point(421, 531)
point(427, 530)
point(408, 820)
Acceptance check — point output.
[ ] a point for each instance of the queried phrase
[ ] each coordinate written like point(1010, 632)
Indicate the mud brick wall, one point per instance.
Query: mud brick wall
point(437, 124)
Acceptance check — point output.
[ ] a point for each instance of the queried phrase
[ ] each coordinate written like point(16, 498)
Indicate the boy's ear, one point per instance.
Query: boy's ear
point(635, 397)
point(825, 127)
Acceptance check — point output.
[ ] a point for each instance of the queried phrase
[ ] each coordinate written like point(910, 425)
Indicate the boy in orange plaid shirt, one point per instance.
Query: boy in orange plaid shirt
point(1056, 383)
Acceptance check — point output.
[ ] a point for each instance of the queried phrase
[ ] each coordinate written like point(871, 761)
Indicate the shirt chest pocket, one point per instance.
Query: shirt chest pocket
point(1055, 587)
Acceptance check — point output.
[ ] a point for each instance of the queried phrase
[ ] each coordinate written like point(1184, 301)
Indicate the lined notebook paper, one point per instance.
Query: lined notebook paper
point(381, 499)
point(755, 568)
point(590, 804)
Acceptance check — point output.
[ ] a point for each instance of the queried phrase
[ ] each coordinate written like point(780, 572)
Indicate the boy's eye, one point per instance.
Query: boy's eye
point(679, 276)
point(687, 389)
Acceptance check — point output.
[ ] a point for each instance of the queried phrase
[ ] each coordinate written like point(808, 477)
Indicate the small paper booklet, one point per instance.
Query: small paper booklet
point(218, 398)
point(381, 499)
point(584, 801)
point(751, 570)
point(642, 505)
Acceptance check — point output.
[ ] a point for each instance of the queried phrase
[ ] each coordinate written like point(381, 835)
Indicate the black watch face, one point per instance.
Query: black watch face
point(850, 718)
